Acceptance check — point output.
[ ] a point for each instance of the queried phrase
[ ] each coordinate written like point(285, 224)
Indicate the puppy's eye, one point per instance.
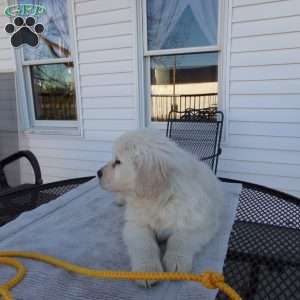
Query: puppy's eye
point(117, 162)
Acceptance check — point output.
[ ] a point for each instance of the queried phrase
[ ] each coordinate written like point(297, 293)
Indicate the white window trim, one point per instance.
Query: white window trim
point(222, 48)
point(188, 50)
point(28, 123)
point(46, 61)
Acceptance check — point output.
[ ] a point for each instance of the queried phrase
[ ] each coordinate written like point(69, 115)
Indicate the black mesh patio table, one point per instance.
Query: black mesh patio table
point(263, 257)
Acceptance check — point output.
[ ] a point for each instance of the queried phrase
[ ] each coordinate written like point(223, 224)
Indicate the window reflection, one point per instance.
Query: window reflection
point(183, 81)
point(53, 91)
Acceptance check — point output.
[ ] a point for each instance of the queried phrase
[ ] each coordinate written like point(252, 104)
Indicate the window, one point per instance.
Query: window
point(181, 52)
point(49, 70)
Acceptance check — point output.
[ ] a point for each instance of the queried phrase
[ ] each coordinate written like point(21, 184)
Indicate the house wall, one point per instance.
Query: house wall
point(105, 43)
point(8, 125)
point(7, 62)
point(264, 94)
point(8, 112)
point(263, 86)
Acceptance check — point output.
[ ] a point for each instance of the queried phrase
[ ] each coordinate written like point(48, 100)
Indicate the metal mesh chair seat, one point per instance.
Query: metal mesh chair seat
point(198, 131)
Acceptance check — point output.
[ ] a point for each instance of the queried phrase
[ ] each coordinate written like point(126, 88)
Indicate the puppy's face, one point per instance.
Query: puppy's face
point(118, 175)
point(139, 167)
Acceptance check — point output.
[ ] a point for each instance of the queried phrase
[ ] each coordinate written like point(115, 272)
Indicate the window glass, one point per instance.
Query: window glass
point(180, 24)
point(54, 42)
point(53, 91)
point(185, 80)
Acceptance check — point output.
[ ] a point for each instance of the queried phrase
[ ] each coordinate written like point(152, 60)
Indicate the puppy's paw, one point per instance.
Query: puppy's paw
point(149, 267)
point(177, 263)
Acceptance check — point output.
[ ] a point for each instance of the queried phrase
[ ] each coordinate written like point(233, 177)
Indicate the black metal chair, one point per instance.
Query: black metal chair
point(5, 188)
point(198, 131)
point(10, 205)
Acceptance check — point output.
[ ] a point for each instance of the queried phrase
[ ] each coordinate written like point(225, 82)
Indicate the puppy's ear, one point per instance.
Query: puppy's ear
point(153, 173)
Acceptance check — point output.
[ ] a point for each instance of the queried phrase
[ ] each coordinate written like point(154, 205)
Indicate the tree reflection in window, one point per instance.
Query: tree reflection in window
point(53, 91)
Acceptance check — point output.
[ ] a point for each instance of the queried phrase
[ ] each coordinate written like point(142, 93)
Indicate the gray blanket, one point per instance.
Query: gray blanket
point(84, 227)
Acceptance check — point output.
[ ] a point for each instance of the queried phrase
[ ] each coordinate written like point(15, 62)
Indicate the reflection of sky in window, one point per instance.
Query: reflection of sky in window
point(55, 40)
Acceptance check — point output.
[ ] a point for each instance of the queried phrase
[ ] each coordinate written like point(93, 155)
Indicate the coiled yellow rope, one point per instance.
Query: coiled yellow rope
point(211, 280)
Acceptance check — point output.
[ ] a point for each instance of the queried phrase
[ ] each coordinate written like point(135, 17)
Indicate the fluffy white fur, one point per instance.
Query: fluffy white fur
point(170, 196)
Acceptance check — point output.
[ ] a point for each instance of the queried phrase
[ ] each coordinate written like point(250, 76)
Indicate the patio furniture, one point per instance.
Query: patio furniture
point(263, 257)
point(85, 227)
point(8, 204)
point(5, 188)
point(161, 104)
point(198, 131)
point(31, 196)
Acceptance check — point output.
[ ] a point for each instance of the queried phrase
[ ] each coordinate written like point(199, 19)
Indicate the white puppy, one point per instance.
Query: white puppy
point(170, 196)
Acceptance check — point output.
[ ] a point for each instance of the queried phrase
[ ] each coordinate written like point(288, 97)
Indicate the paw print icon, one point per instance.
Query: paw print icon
point(24, 31)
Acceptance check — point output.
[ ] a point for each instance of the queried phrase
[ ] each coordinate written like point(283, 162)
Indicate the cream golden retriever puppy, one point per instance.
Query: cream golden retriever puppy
point(170, 197)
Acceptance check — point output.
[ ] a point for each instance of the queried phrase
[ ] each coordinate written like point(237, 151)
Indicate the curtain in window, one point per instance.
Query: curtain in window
point(55, 40)
point(163, 17)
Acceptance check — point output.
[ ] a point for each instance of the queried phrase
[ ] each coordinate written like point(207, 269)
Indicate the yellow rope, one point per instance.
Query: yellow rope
point(210, 280)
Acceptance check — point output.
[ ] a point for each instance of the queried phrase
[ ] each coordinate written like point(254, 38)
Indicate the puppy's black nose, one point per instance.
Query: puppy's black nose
point(99, 173)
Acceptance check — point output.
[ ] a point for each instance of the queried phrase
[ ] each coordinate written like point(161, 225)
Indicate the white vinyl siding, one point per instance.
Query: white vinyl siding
point(8, 112)
point(105, 44)
point(65, 157)
point(253, 10)
point(264, 80)
point(105, 34)
point(7, 61)
point(9, 125)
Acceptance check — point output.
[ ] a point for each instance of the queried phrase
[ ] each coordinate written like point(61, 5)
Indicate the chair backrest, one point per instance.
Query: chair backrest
point(14, 157)
point(198, 131)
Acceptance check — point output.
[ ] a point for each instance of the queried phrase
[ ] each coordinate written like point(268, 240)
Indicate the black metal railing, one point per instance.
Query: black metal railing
point(56, 107)
point(161, 105)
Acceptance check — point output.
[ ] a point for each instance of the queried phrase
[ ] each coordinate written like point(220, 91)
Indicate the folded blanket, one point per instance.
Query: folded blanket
point(84, 226)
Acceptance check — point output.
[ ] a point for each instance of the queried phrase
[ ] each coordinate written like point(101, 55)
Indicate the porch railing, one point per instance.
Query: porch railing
point(162, 104)
point(56, 107)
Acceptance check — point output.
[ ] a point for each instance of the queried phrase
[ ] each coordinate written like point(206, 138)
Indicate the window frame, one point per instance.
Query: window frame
point(25, 91)
point(146, 55)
